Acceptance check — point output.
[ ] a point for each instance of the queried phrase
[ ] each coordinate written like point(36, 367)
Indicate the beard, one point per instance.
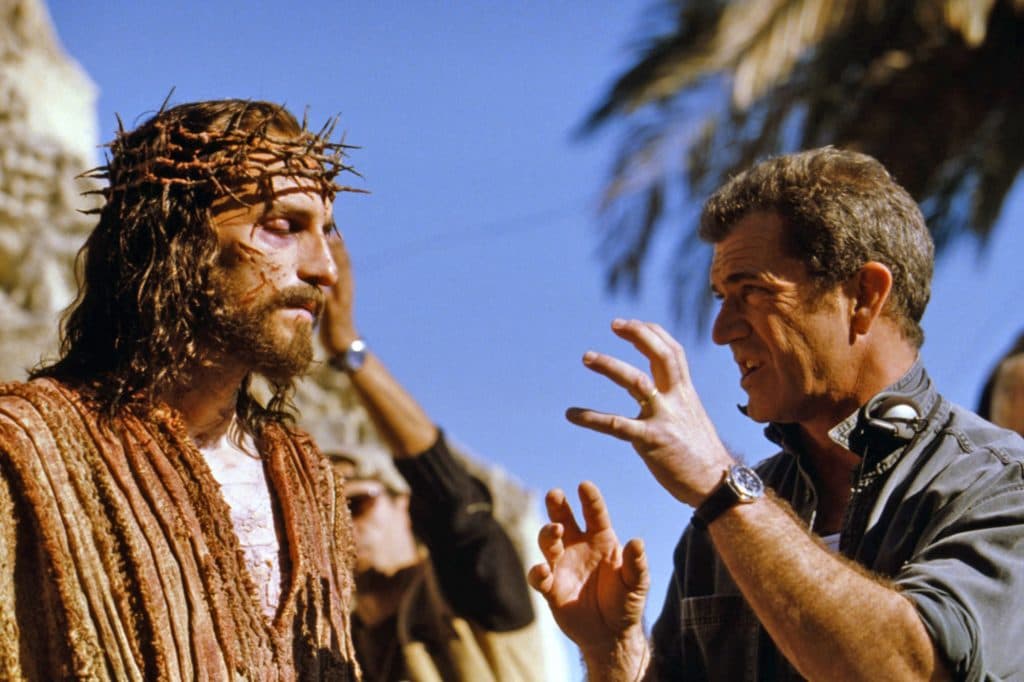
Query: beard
point(242, 327)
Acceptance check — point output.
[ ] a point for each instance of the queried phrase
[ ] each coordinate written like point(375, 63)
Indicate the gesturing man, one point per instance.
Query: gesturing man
point(157, 521)
point(883, 541)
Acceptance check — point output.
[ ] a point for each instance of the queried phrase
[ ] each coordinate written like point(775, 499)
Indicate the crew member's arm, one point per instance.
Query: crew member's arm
point(475, 561)
point(824, 613)
point(400, 420)
point(476, 564)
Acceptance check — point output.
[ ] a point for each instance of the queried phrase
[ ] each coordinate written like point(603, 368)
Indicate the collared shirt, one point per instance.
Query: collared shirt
point(939, 513)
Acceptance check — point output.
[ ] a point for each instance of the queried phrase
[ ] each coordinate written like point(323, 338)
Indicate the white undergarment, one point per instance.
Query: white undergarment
point(244, 487)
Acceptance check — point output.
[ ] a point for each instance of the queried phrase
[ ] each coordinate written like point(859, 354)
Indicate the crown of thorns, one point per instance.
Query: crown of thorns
point(166, 152)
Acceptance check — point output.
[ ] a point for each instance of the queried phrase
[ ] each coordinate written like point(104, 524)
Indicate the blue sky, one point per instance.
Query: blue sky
point(476, 274)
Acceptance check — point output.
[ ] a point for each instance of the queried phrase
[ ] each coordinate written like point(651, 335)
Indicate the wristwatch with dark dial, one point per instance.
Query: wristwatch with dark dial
point(741, 485)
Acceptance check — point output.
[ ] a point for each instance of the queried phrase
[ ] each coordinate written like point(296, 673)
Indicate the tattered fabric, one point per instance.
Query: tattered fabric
point(118, 559)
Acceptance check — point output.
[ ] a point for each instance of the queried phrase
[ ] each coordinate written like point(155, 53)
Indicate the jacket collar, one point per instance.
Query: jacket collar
point(859, 432)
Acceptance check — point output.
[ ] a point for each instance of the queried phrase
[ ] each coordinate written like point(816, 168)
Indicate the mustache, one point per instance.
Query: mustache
point(299, 296)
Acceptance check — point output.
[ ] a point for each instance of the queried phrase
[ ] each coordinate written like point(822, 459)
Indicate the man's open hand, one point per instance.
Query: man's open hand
point(673, 434)
point(595, 587)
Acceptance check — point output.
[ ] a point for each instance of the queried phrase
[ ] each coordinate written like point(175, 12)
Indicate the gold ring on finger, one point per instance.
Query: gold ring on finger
point(646, 401)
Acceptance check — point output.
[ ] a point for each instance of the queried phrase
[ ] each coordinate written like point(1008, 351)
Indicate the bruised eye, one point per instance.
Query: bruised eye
point(278, 225)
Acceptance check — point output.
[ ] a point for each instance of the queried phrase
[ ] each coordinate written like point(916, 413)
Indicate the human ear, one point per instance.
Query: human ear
point(873, 283)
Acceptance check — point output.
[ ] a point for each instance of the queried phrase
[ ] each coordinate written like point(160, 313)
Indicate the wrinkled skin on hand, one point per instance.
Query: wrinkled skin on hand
point(673, 433)
point(595, 587)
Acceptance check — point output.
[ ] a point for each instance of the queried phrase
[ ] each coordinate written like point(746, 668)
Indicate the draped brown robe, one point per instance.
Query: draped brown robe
point(118, 559)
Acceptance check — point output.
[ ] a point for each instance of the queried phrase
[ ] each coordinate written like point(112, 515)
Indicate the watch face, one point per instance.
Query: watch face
point(746, 482)
point(355, 359)
point(351, 359)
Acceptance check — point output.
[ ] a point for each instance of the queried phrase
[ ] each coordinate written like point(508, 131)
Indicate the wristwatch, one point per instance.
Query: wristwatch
point(741, 485)
point(351, 359)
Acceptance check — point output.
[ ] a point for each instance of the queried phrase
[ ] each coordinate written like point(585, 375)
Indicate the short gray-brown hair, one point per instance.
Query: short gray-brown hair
point(841, 209)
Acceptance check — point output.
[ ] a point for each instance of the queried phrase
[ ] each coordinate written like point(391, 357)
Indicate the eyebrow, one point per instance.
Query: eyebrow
point(288, 200)
point(282, 204)
point(736, 277)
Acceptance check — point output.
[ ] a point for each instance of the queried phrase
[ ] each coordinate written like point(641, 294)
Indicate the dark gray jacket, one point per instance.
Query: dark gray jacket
point(941, 515)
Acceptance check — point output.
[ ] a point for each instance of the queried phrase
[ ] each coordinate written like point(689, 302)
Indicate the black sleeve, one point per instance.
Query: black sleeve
point(477, 566)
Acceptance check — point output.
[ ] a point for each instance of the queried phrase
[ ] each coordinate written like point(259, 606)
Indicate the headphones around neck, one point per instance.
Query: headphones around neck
point(894, 415)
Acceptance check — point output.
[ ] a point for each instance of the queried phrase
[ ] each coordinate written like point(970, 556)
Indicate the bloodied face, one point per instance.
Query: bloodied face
point(268, 278)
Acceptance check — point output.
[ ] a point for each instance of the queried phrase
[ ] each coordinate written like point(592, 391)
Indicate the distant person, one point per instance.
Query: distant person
point(1002, 398)
point(441, 591)
point(157, 520)
point(883, 542)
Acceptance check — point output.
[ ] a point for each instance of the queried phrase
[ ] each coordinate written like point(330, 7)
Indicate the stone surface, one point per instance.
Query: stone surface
point(47, 137)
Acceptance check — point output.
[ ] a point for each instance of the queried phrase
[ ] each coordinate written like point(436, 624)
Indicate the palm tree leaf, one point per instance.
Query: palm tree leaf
point(930, 87)
point(763, 40)
point(969, 17)
point(657, 75)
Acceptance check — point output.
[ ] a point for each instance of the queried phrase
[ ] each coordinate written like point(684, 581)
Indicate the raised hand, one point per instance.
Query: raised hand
point(337, 325)
point(673, 433)
point(595, 587)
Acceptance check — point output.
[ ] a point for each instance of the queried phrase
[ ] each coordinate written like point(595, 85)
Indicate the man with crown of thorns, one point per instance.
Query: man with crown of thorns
point(120, 556)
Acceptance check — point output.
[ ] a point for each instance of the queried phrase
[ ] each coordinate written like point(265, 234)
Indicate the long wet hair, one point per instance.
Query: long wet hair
point(140, 322)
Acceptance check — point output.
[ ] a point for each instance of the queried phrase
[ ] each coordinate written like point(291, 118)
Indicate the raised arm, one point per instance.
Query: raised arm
point(401, 421)
point(476, 563)
point(595, 587)
point(825, 613)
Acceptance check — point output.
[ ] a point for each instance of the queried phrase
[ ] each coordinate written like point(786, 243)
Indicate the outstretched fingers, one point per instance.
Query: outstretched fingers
point(595, 511)
point(541, 576)
point(668, 364)
point(611, 424)
point(541, 579)
point(550, 539)
point(635, 573)
point(560, 512)
point(622, 373)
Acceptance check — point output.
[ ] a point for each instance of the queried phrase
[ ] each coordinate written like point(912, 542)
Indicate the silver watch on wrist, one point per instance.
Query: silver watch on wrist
point(740, 485)
point(352, 359)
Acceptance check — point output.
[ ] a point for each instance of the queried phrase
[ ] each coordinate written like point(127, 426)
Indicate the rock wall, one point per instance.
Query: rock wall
point(47, 137)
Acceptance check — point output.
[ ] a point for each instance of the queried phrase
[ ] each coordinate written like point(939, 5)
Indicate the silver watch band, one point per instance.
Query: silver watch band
point(351, 359)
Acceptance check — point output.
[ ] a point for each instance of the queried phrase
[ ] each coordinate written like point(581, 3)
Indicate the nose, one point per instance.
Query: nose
point(729, 324)
point(316, 264)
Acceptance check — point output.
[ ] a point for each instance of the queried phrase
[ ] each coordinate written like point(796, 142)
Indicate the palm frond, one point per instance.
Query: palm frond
point(929, 87)
point(762, 41)
point(969, 17)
